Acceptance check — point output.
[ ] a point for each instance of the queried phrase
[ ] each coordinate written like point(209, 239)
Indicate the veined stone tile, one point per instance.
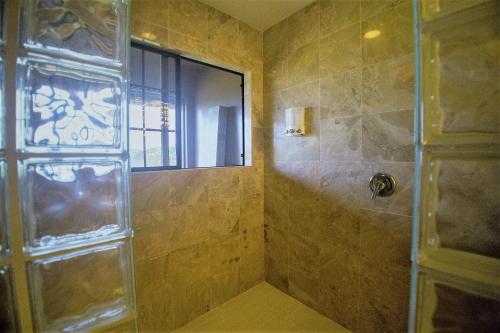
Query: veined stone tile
point(188, 187)
point(153, 281)
point(250, 42)
point(388, 136)
point(304, 287)
point(224, 219)
point(396, 34)
point(223, 30)
point(340, 94)
point(341, 139)
point(303, 27)
point(156, 316)
point(340, 51)
point(224, 270)
point(252, 257)
point(336, 15)
point(303, 64)
point(189, 17)
point(377, 7)
point(151, 11)
point(389, 85)
point(187, 44)
point(276, 257)
point(145, 29)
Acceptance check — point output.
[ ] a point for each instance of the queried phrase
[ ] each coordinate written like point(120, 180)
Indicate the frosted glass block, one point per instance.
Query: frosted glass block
point(4, 231)
point(451, 304)
point(93, 30)
point(82, 290)
point(461, 78)
point(435, 8)
point(461, 204)
point(65, 108)
point(462, 102)
point(72, 202)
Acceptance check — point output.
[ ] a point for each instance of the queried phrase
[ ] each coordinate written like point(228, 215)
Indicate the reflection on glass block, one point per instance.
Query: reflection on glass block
point(461, 78)
point(8, 313)
point(93, 29)
point(71, 202)
point(65, 108)
point(4, 231)
point(2, 107)
point(451, 304)
point(466, 202)
point(3, 9)
point(82, 290)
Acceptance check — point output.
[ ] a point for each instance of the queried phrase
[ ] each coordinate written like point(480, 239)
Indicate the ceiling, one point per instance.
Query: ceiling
point(260, 14)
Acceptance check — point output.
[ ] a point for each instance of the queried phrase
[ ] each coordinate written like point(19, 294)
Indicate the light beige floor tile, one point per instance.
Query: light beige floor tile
point(262, 309)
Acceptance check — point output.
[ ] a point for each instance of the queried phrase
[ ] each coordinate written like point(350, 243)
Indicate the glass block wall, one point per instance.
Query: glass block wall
point(65, 228)
point(456, 255)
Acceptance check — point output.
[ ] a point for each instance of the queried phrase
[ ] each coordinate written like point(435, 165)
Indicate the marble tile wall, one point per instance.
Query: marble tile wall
point(326, 243)
point(199, 237)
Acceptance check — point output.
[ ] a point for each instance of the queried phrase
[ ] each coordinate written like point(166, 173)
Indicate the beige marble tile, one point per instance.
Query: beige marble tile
point(250, 42)
point(341, 139)
point(377, 7)
point(149, 191)
point(223, 183)
point(224, 270)
point(189, 17)
point(339, 280)
point(396, 34)
point(303, 287)
point(303, 27)
point(224, 219)
point(275, 41)
point(389, 85)
point(388, 136)
point(343, 183)
point(251, 210)
point(340, 94)
point(340, 51)
point(189, 186)
point(156, 317)
point(303, 64)
point(152, 277)
point(148, 31)
point(276, 257)
point(151, 11)
point(336, 15)
point(186, 44)
point(384, 294)
point(223, 30)
point(252, 266)
point(190, 268)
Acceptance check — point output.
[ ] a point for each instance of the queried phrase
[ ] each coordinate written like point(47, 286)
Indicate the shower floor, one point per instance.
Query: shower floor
point(262, 309)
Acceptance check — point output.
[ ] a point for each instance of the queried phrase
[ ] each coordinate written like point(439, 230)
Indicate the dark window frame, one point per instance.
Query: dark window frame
point(178, 93)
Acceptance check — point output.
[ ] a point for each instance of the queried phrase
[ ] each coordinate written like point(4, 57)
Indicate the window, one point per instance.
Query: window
point(183, 113)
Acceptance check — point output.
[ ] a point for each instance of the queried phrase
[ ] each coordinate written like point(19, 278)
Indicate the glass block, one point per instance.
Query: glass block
point(2, 106)
point(451, 304)
point(70, 202)
point(82, 290)
point(90, 30)
point(67, 109)
point(4, 226)
point(461, 204)
point(461, 78)
point(8, 311)
point(136, 149)
point(153, 151)
point(3, 19)
point(436, 8)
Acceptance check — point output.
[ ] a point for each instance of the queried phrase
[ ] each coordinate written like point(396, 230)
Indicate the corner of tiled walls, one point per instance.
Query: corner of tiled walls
point(199, 233)
point(326, 243)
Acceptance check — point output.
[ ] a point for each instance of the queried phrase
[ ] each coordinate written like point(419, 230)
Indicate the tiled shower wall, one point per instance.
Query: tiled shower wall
point(199, 233)
point(326, 243)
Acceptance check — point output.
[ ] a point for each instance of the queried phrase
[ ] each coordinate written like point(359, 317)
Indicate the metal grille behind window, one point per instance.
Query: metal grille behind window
point(153, 109)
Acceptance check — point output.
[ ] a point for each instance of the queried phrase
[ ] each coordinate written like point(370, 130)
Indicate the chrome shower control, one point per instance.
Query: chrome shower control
point(382, 185)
